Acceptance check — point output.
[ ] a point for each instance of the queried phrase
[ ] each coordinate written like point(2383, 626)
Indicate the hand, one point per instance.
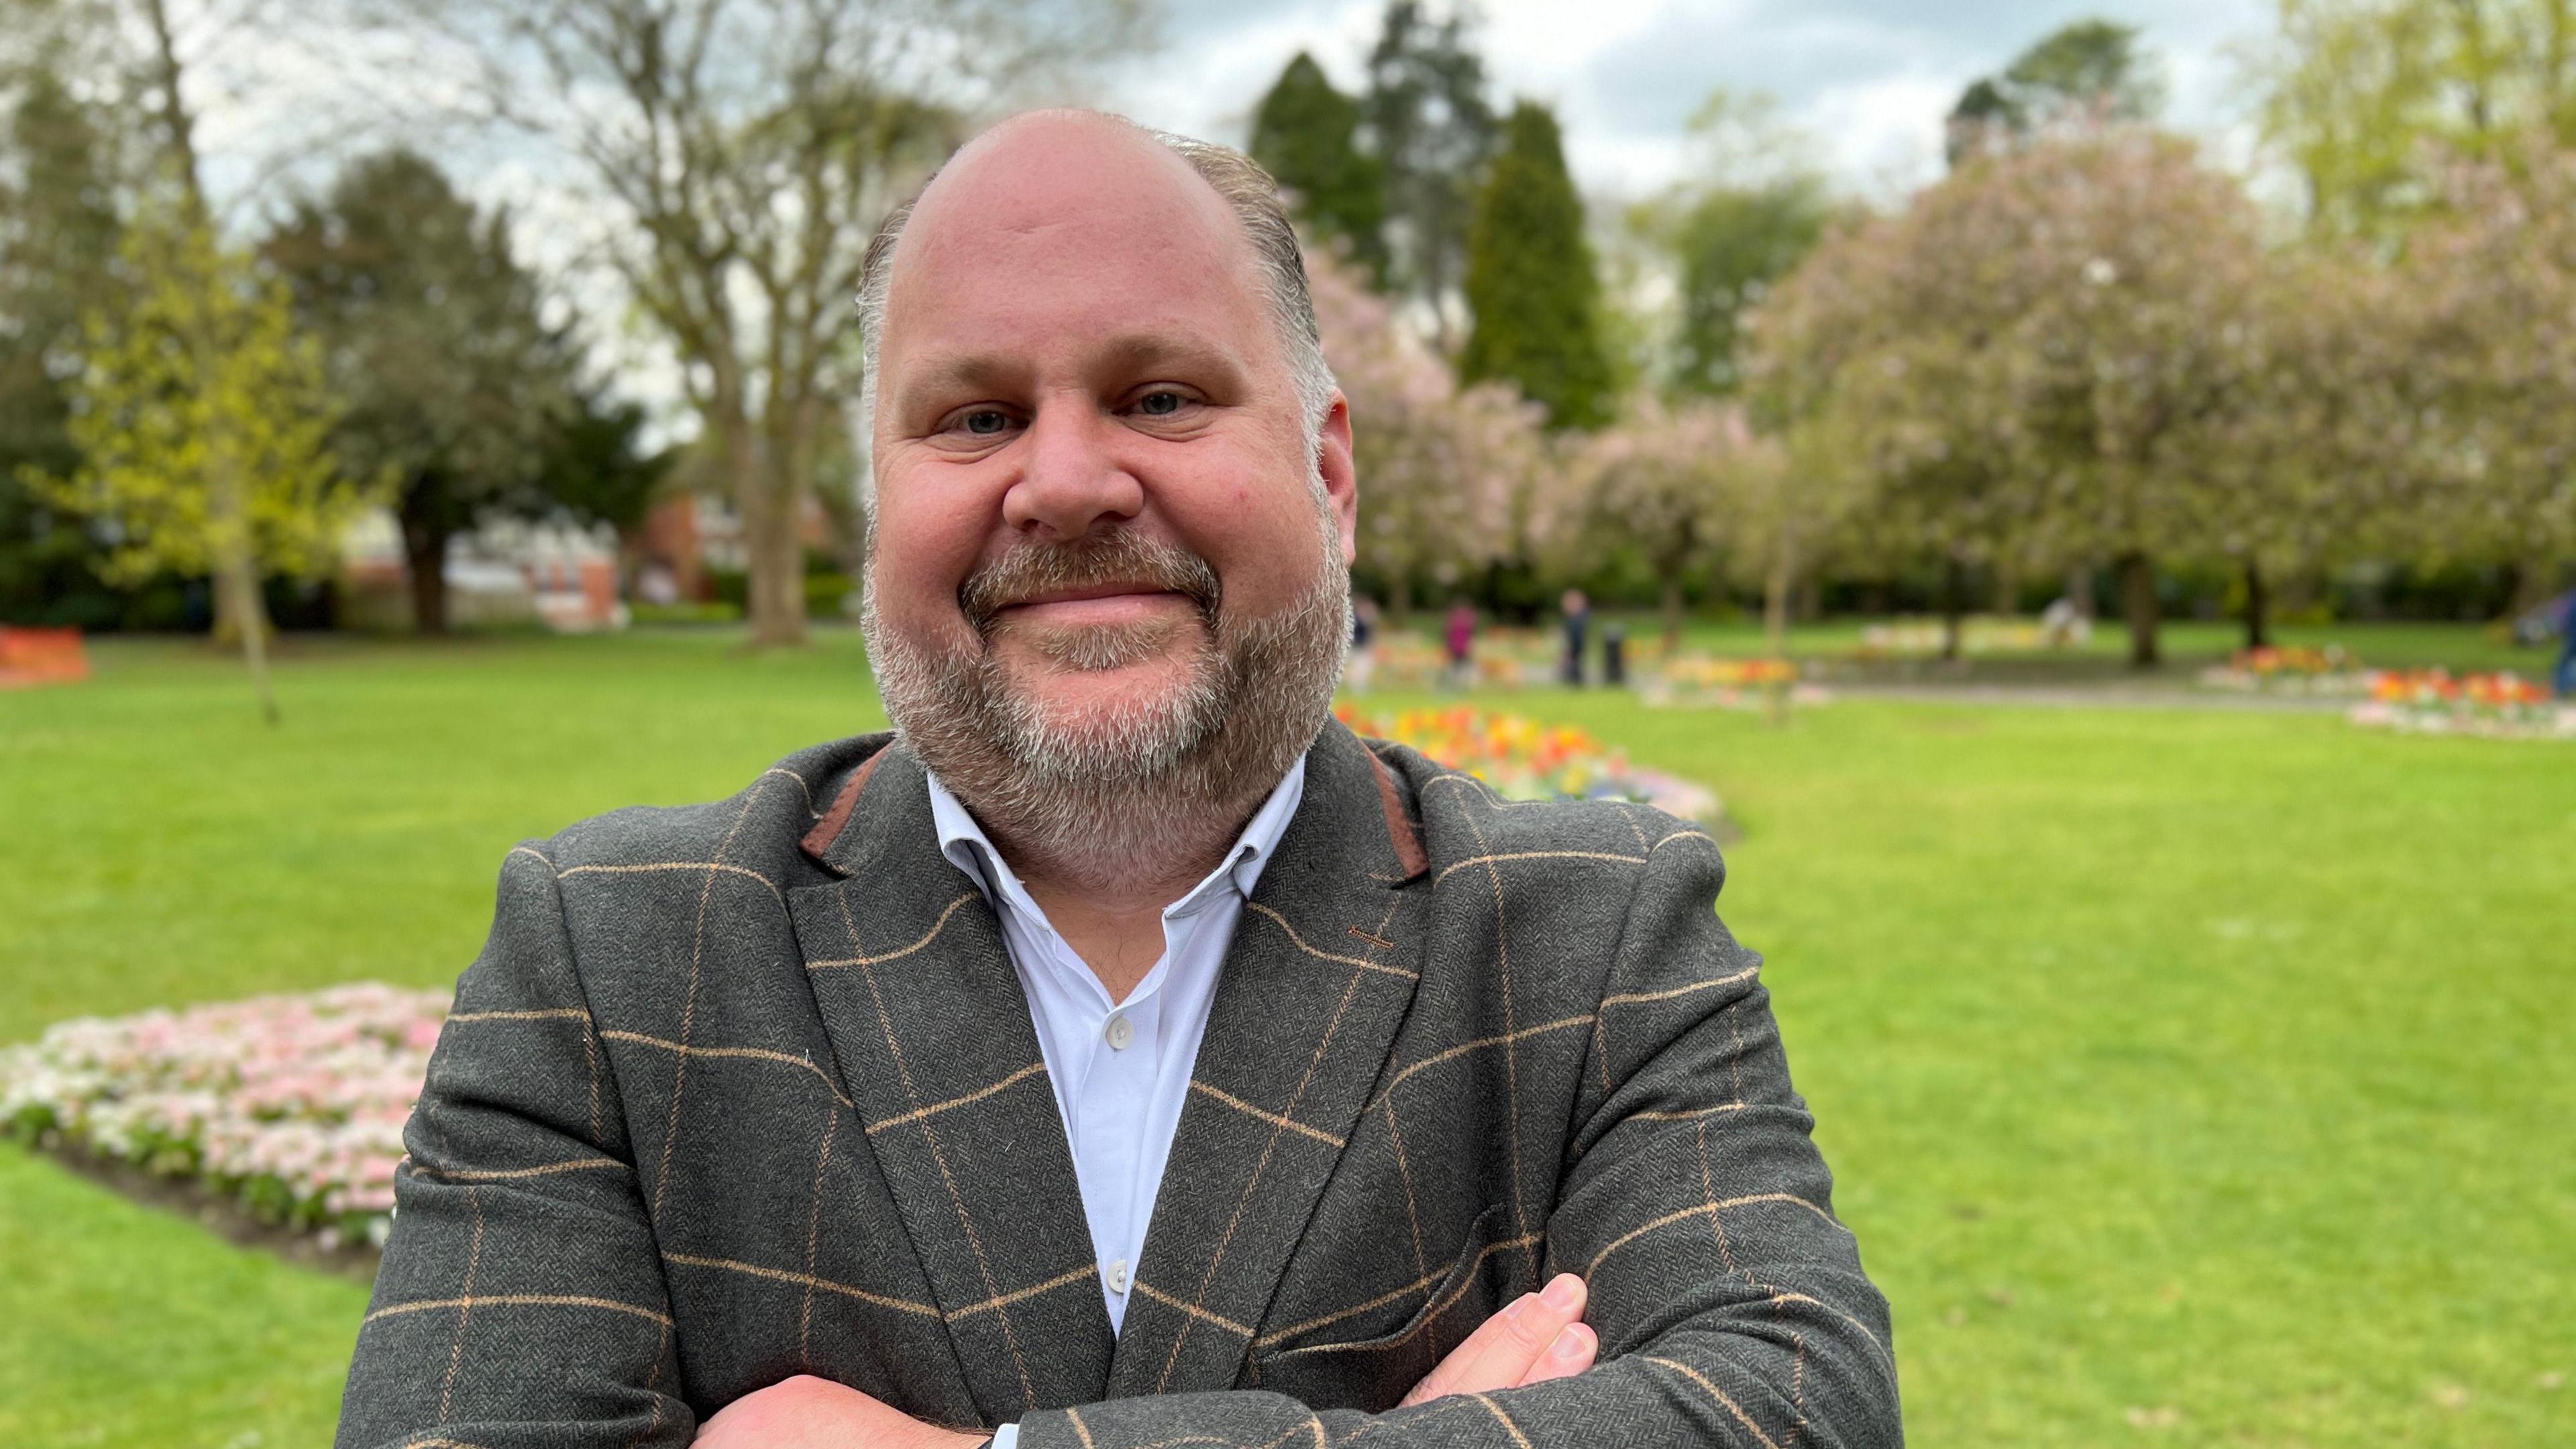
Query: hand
point(810, 1413)
point(1540, 1336)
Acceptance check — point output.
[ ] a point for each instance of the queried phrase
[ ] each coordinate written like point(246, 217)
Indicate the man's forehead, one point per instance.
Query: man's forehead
point(1059, 184)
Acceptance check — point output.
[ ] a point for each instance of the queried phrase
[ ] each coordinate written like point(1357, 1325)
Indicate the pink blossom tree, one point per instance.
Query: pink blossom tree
point(1450, 477)
point(1677, 482)
point(2494, 280)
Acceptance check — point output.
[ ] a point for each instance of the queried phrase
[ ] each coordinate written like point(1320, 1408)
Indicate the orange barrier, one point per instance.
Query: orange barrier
point(41, 656)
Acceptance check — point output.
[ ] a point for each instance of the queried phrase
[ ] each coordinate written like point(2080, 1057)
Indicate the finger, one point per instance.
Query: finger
point(1467, 1366)
point(1507, 1345)
point(1572, 1351)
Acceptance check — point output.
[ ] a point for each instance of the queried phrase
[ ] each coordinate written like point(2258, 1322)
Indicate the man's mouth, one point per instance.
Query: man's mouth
point(1087, 593)
point(1113, 580)
point(1130, 616)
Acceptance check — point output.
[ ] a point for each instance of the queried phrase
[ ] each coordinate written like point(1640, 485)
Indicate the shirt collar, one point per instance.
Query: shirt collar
point(966, 846)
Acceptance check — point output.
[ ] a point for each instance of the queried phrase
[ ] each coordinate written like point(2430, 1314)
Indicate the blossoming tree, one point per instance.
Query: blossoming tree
point(1448, 475)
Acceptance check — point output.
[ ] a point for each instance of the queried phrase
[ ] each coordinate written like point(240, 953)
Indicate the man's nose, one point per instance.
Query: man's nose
point(1072, 480)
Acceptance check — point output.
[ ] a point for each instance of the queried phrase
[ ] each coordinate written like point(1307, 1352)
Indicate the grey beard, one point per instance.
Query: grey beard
point(1159, 786)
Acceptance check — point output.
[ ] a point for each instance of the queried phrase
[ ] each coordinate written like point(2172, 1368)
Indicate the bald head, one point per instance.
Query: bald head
point(1050, 184)
point(1052, 169)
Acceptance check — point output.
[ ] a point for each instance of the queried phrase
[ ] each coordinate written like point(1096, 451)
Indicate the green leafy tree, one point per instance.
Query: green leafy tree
point(450, 376)
point(2090, 67)
point(1531, 287)
point(1758, 206)
point(202, 421)
point(2366, 98)
point(2086, 73)
point(1732, 245)
point(594, 466)
point(1431, 130)
point(1306, 135)
point(58, 236)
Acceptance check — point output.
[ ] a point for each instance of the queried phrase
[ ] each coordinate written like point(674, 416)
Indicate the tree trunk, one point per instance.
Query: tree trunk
point(1954, 608)
point(1811, 598)
point(777, 585)
point(2531, 581)
point(1399, 598)
point(2258, 604)
point(773, 549)
point(425, 558)
point(2138, 603)
point(1672, 611)
point(237, 596)
point(2079, 590)
point(1775, 600)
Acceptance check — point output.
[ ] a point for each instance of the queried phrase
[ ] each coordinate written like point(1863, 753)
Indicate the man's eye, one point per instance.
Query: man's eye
point(986, 422)
point(1160, 404)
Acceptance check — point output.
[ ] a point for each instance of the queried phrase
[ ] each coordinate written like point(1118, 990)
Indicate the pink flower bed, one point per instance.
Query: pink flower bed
point(293, 1104)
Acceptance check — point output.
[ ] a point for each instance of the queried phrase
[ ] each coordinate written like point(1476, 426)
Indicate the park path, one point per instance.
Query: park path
point(2099, 696)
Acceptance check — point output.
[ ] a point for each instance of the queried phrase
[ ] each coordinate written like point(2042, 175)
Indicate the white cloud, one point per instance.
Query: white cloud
point(1871, 79)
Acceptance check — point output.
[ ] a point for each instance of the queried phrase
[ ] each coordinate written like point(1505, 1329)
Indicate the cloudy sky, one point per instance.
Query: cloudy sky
point(1870, 79)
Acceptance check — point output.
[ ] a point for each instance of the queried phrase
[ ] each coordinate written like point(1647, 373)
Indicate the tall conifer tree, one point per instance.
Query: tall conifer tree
point(1306, 135)
point(58, 234)
point(1431, 129)
point(1531, 286)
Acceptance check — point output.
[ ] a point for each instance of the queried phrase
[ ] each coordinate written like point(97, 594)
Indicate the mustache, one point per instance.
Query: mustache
point(1117, 556)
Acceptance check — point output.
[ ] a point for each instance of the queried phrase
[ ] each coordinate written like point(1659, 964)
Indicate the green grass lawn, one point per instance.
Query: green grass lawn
point(2192, 1078)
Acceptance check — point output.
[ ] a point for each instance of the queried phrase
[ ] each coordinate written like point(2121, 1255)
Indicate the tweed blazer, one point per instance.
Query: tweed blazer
point(747, 1090)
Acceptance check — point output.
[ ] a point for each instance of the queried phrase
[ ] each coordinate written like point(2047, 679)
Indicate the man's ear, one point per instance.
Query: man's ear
point(1340, 475)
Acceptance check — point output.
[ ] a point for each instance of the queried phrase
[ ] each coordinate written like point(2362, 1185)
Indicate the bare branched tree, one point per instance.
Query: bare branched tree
point(740, 153)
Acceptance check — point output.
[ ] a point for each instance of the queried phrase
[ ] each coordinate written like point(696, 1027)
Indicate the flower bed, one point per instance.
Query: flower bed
point(2436, 701)
point(1696, 681)
point(1977, 635)
point(2289, 671)
point(1500, 658)
point(292, 1105)
point(1531, 761)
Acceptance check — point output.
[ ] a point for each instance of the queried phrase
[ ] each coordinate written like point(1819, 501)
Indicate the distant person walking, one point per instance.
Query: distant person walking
point(1578, 623)
point(2563, 678)
point(1461, 639)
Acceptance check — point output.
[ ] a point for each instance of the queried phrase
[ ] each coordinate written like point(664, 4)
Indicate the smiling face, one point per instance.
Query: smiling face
point(1104, 527)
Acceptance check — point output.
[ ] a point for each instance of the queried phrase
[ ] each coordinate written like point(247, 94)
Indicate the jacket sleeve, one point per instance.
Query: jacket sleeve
point(1730, 1302)
point(521, 1299)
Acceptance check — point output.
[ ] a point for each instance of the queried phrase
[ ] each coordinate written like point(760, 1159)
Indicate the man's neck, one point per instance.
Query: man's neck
point(1111, 913)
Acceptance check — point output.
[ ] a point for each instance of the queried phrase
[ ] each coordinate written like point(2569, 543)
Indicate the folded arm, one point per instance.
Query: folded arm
point(521, 1297)
point(1730, 1304)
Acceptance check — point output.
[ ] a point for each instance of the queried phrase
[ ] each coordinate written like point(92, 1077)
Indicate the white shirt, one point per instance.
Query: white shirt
point(1120, 1069)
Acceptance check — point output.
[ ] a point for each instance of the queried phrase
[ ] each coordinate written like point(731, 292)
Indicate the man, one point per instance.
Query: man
point(2562, 679)
point(1578, 623)
point(1122, 1053)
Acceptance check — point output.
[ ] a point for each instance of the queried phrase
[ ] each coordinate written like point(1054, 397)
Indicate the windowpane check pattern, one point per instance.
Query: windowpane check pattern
point(750, 1089)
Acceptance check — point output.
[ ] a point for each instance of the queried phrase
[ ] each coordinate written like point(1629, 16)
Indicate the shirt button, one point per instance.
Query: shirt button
point(1116, 1274)
point(1121, 1032)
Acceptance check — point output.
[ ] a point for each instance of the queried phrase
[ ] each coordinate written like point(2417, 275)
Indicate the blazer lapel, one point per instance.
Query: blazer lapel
point(933, 1039)
point(1316, 981)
